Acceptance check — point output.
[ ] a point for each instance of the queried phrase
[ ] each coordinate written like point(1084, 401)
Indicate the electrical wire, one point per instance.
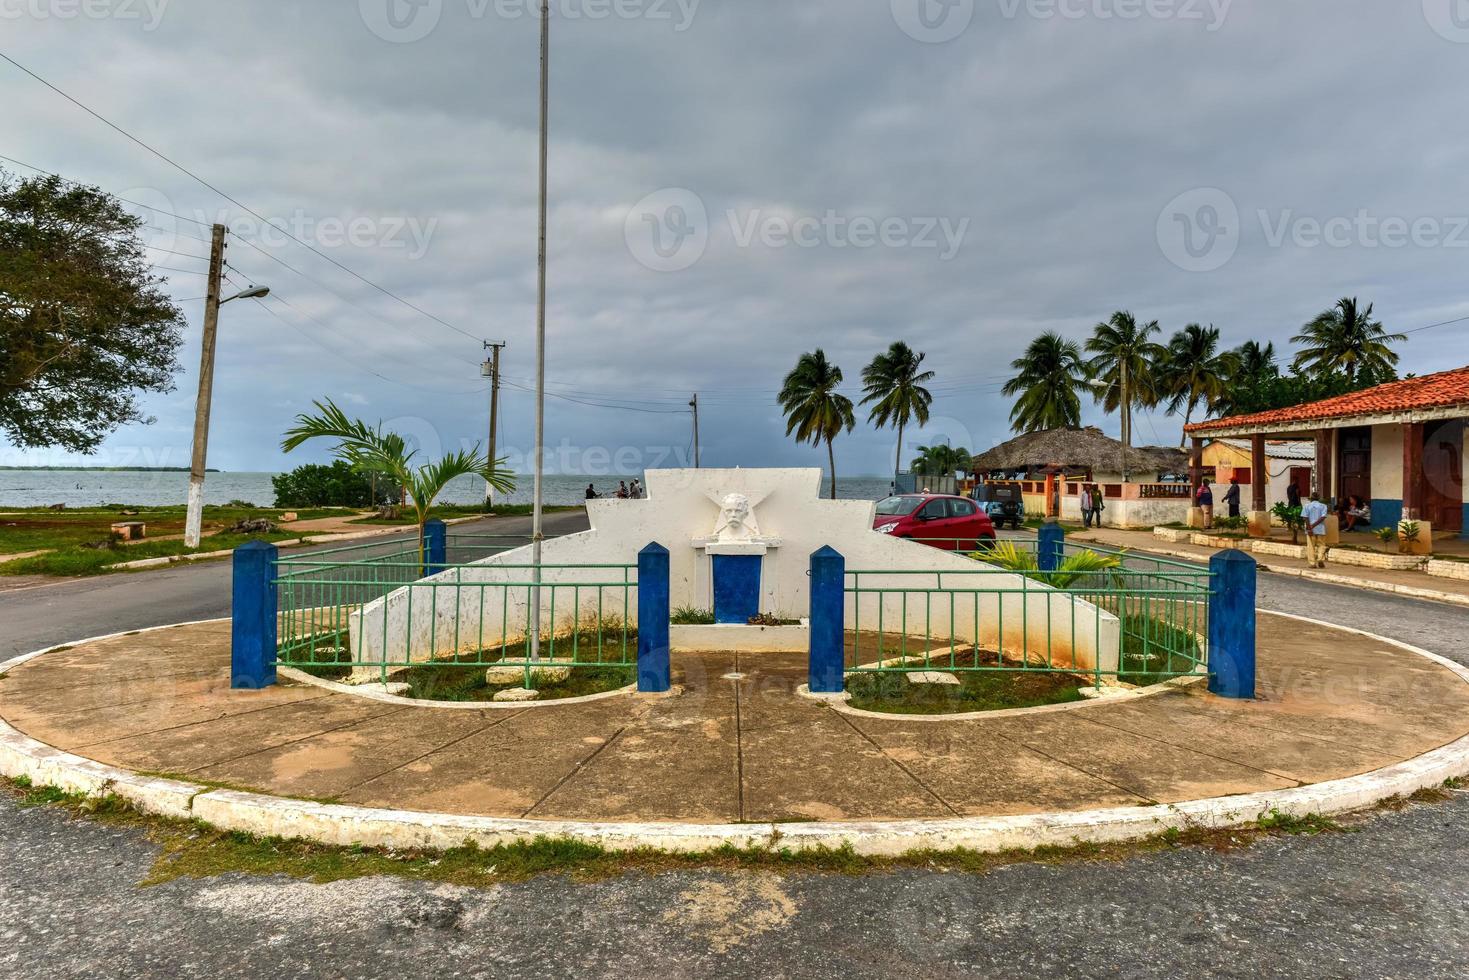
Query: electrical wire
point(246, 208)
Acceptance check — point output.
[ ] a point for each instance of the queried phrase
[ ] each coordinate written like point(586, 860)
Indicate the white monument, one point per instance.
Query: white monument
point(745, 536)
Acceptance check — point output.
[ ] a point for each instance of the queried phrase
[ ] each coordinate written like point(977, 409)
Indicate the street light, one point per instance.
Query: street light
point(254, 292)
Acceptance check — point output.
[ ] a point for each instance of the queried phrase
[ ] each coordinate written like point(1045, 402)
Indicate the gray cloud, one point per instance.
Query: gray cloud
point(1059, 139)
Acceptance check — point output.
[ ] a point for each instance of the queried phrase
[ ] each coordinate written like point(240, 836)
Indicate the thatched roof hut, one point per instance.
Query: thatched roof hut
point(1077, 450)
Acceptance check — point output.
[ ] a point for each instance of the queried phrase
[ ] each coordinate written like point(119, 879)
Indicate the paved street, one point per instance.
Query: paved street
point(1389, 900)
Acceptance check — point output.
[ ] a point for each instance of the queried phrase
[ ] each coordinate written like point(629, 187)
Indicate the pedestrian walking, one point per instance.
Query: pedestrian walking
point(1086, 505)
point(1099, 503)
point(1314, 514)
point(1205, 502)
point(1231, 498)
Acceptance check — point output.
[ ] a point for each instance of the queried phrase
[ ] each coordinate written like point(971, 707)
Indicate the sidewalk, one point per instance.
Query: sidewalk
point(1416, 585)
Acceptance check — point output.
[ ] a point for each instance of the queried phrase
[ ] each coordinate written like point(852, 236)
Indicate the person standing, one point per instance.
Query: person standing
point(1231, 498)
point(1086, 505)
point(591, 491)
point(1293, 495)
point(1314, 514)
point(1205, 503)
point(1099, 503)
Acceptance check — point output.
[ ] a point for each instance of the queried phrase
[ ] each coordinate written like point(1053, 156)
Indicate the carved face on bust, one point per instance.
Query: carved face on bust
point(735, 518)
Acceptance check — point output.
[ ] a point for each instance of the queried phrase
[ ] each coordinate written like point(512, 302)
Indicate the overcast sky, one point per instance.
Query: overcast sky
point(734, 182)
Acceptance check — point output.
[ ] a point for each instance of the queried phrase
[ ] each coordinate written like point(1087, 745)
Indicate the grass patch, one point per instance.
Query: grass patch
point(452, 679)
point(445, 512)
point(1155, 651)
point(80, 561)
point(692, 616)
point(893, 693)
point(35, 529)
point(193, 849)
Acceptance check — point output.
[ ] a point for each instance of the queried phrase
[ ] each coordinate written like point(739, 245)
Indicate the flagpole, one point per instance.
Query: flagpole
point(537, 530)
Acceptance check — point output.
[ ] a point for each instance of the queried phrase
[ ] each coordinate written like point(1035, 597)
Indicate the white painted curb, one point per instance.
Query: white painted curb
point(336, 824)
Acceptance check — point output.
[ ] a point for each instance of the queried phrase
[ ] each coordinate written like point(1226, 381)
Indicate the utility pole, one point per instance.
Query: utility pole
point(195, 519)
point(537, 532)
point(493, 367)
point(694, 404)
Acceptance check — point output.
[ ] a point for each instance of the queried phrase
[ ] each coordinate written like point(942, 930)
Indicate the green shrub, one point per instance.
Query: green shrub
point(336, 485)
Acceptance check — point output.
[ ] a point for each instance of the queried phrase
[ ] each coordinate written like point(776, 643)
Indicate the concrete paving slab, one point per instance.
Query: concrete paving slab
point(692, 734)
point(977, 770)
point(506, 769)
point(334, 761)
point(188, 748)
point(1154, 770)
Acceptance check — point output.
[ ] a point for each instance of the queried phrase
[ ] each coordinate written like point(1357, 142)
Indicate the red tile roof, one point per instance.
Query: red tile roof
point(1442, 390)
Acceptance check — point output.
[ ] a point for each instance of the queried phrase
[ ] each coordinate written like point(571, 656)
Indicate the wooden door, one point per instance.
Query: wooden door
point(1356, 464)
point(1443, 475)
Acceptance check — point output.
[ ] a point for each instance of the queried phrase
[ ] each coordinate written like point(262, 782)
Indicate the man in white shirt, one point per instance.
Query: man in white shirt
point(1314, 514)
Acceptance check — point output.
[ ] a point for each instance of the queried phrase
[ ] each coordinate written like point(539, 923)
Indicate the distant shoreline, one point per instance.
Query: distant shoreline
point(99, 469)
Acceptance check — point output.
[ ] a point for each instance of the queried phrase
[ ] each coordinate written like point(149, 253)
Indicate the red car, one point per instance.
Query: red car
point(947, 523)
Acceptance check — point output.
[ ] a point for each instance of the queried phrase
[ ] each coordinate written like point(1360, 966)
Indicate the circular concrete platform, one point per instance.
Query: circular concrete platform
point(1344, 719)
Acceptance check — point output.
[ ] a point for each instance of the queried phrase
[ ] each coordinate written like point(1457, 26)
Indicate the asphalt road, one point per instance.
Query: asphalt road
point(1391, 900)
point(33, 617)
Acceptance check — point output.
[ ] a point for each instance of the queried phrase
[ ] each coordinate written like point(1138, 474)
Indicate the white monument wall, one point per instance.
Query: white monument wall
point(682, 508)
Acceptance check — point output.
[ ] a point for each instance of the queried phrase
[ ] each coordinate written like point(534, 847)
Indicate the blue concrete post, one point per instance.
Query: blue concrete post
point(1232, 625)
point(435, 547)
point(1051, 549)
point(253, 617)
point(654, 669)
point(827, 668)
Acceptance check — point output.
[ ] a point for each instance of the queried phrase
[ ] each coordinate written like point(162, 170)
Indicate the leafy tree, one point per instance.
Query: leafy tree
point(1346, 339)
point(1194, 370)
point(942, 461)
point(315, 485)
point(815, 411)
point(84, 326)
point(1125, 369)
point(893, 384)
point(1268, 392)
point(368, 449)
point(1050, 372)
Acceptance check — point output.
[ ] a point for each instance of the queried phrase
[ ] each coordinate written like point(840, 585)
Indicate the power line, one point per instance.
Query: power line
point(247, 209)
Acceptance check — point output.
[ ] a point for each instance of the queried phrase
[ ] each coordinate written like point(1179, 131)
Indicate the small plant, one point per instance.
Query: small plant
point(1009, 556)
point(1292, 518)
point(1408, 532)
point(1386, 534)
point(1232, 523)
point(691, 616)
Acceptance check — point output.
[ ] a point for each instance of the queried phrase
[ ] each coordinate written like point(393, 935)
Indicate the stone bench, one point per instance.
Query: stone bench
point(130, 530)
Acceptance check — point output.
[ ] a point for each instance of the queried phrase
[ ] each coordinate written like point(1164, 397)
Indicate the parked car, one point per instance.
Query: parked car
point(943, 522)
point(1003, 502)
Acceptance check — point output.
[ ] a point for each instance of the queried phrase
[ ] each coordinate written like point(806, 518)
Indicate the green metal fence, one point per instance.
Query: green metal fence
point(369, 612)
point(992, 619)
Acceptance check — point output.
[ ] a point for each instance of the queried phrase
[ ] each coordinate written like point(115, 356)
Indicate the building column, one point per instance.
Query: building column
point(1195, 480)
point(1322, 475)
point(1412, 471)
point(1259, 478)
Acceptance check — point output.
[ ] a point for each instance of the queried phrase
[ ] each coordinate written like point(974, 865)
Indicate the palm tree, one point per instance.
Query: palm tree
point(1050, 372)
point(815, 411)
point(942, 460)
point(1254, 362)
point(1124, 371)
point(1345, 338)
point(895, 382)
point(1195, 371)
point(370, 449)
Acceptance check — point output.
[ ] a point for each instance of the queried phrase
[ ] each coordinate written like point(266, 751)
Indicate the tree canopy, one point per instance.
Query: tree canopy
point(84, 326)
